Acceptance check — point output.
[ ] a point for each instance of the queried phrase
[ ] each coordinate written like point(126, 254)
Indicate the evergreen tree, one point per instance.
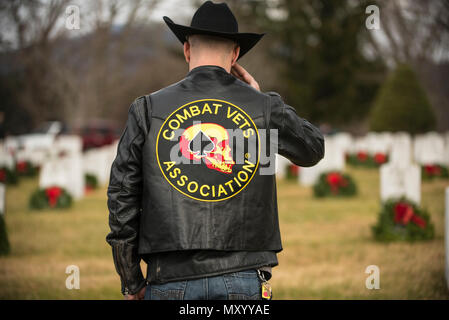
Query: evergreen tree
point(325, 74)
point(328, 78)
point(402, 104)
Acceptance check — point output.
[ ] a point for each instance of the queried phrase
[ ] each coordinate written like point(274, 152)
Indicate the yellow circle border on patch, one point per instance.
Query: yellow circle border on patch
point(157, 149)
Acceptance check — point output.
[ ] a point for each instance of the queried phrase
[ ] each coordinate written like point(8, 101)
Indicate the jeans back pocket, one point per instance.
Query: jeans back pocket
point(244, 285)
point(166, 291)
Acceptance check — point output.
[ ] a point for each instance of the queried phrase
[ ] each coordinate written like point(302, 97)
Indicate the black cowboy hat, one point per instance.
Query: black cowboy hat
point(215, 19)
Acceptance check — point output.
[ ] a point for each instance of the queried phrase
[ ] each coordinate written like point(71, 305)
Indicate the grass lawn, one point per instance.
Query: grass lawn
point(327, 247)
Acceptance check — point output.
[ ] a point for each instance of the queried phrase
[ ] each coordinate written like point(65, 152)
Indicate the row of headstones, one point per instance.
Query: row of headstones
point(401, 176)
point(64, 164)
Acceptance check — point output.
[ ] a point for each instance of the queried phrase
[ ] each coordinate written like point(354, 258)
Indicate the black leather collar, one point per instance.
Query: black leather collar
point(209, 74)
point(207, 69)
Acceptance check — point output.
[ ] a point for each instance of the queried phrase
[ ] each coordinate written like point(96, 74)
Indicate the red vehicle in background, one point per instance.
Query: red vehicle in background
point(98, 133)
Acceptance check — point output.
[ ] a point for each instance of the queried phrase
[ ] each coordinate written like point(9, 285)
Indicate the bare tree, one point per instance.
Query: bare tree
point(416, 32)
point(412, 31)
point(31, 25)
point(65, 76)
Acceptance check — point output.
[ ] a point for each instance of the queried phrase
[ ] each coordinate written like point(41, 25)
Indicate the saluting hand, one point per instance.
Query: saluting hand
point(240, 73)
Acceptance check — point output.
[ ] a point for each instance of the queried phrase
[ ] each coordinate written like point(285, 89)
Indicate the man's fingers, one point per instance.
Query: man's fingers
point(239, 72)
point(236, 74)
point(243, 73)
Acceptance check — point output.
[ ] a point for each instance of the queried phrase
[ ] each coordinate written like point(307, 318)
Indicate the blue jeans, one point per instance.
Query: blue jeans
point(243, 285)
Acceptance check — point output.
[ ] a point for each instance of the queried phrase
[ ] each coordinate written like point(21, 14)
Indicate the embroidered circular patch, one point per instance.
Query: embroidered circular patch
point(208, 149)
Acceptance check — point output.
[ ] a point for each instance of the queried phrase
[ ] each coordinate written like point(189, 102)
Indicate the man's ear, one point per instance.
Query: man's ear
point(235, 54)
point(187, 51)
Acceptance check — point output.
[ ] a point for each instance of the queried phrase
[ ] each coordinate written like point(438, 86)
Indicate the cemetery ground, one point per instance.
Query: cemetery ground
point(327, 246)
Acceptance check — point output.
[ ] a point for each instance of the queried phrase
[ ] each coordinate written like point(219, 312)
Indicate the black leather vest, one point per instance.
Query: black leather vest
point(202, 185)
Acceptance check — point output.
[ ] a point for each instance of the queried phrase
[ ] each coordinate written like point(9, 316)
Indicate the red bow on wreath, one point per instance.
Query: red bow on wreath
point(403, 214)
point(362, 156)
point(336, 180)
point(53, 194)
point(21, 166)
point(294, 170)
point(2, 175)
point(380, 158)
point(432, 170)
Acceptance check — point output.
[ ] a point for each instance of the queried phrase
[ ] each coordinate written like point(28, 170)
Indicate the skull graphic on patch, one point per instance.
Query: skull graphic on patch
point(208, 149)
point(209, 141)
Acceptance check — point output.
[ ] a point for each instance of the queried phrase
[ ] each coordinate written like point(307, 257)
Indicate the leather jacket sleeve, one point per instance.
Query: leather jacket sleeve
point(124, 203)
point(298, 140)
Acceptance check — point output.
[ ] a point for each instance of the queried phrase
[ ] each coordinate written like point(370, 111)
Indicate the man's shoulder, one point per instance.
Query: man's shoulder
point(273, 94)
point(175, 88)
point(249, 89)
point(146, 99)
point(167, 90)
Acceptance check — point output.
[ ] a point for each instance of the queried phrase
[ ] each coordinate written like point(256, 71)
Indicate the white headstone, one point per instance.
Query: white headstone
point(334, 159)
point(379, 142)
point(68, 144)
point(39, 156)
point(11, 143)
point(429, 149)
point(53, 173)
point(401, 150)
point(112, 154)
point(400, 181)
point(66, 172)
point(75, 173)
point(360, 144)
point(98, 162)
point(281, 166)
point(34, 148)
point(34, 141)
point(446, 149)
point(344, 141)
point(446, 236)
point(6, 159)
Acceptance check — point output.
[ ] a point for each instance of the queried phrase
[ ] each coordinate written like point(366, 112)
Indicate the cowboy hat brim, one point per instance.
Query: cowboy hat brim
point(245, 40)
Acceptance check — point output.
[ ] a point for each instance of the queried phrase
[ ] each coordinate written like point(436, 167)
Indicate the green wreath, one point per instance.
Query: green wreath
point(334, 184)
point(50, 198)
point(432, 171)
point(402, 220)
point(26, 169)
point(91, 181)
point(363, 159)
point(8, 176)
point(292, 171)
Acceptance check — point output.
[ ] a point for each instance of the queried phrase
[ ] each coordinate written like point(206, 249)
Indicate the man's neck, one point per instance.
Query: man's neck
point(193, 65)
